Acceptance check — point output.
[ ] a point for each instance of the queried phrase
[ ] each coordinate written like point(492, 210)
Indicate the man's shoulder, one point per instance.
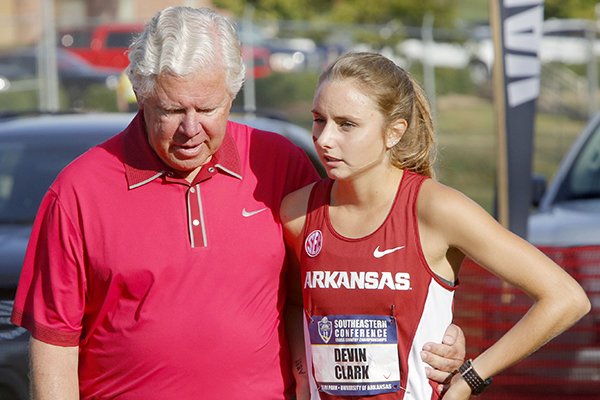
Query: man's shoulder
point(267, 153)
point(93, 163)
point(246, 134)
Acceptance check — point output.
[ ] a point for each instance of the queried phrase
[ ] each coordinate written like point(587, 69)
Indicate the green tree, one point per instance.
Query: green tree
point(409, 12)
point(570, 9)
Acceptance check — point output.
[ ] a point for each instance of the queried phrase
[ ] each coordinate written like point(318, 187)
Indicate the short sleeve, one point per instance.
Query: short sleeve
point(301, 171)
point(50, 297)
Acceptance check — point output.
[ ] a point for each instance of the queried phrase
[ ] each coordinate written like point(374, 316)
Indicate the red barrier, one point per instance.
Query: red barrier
point(566, 368)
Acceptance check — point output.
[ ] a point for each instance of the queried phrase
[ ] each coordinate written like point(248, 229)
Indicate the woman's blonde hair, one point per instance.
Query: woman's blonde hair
point(397, 96)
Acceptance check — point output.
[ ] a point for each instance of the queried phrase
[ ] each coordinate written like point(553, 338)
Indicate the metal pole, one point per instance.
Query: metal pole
point(592, 66)
point(248, 48)
point(428, 68)
point(46, 60)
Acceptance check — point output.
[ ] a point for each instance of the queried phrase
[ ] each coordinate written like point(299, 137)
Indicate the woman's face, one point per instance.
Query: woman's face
point(348, 130)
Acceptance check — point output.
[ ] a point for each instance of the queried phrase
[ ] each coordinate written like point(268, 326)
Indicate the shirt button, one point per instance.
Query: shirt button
point(192, 190)
point(196, 222)
point(211, 169)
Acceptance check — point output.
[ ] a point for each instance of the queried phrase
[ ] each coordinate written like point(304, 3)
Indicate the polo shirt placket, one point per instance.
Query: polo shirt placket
point(196, 222)
point(195, 211)
point(143, 166)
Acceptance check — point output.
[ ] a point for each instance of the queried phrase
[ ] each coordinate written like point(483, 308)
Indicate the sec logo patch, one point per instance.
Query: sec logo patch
point(313, 243)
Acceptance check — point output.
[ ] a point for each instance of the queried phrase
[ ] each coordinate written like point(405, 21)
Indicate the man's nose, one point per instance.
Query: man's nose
point(190, 125)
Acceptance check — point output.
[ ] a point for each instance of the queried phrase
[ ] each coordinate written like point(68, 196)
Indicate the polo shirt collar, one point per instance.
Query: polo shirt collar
point(142, 165)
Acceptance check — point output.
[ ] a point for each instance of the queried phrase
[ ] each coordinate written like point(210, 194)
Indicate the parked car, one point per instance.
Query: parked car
point(33, 149)
point(75, 75)
point(295, 54)
point(438, 53)
point(568, 212)
point(103, 45)
point(566, 225)
point(106, 45)
point(567, 41)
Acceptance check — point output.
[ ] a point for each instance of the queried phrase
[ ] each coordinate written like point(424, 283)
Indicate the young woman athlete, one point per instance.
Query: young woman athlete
point(380, 243)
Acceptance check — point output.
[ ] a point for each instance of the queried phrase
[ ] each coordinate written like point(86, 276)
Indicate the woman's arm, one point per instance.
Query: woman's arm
point(294, 314)
point(459, 223)
point(293, 215)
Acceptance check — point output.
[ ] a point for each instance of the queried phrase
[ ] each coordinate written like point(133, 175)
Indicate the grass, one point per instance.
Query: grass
point(468, 145)
point(473, 10)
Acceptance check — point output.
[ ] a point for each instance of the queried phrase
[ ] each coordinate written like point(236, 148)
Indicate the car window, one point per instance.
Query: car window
point(79, 39)
point(578, 34)
point(26, 63)
point(119, 39)
point(26, 172)
point(583, 181)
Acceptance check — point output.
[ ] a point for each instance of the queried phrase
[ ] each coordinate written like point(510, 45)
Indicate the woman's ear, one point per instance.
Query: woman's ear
point(395, 133)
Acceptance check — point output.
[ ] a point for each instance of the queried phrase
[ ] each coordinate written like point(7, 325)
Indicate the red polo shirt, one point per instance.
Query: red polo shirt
point(170, 289)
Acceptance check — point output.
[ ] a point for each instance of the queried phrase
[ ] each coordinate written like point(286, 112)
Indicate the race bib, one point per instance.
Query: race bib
point(355, 355)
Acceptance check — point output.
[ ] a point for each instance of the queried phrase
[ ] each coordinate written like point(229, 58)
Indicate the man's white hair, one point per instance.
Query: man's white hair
point(183, 40)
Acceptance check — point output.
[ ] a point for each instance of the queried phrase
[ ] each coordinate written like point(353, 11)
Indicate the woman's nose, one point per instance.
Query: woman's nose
point(323, 137)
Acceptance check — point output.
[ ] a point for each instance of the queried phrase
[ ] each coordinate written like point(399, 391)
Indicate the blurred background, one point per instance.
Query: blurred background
point(446, 41)
point(65, 56)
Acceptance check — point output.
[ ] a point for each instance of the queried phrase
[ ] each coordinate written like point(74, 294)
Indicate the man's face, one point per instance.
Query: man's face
point(186, 119)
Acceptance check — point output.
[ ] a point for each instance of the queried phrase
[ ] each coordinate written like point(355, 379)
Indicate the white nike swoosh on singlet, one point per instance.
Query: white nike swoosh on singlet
point(380, 253)
point(251, 213)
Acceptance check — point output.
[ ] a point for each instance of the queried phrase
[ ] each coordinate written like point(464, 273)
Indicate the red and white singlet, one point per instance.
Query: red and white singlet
point(371, 303)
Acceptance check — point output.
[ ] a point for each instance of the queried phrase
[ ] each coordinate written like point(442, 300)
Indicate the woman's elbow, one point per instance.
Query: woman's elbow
point(578, 302)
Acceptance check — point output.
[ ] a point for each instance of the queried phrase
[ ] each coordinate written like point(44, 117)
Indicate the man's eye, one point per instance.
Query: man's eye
point(170, 111)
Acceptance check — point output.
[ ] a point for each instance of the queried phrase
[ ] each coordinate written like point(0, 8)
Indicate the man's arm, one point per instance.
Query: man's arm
point(445, 358)
point(53, 371)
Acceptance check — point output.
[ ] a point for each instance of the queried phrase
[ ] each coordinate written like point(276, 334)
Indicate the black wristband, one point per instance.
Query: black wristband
point(472, 378)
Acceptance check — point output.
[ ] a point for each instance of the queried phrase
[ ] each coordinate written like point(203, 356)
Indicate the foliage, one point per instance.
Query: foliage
point(276, 9)
point(569, 9)
point(409, 12)
point(447, 80)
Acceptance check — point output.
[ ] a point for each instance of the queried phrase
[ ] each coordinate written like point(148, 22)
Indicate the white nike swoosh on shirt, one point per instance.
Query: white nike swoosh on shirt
point(380, 253)
point(251, 213)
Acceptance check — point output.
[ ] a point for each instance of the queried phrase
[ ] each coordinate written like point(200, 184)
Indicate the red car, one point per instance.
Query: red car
point(102, 45)
point(106, 45)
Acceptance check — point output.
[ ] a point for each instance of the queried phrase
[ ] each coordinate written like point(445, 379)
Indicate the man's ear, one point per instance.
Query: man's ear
point(395, 133)
point(139, 101)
